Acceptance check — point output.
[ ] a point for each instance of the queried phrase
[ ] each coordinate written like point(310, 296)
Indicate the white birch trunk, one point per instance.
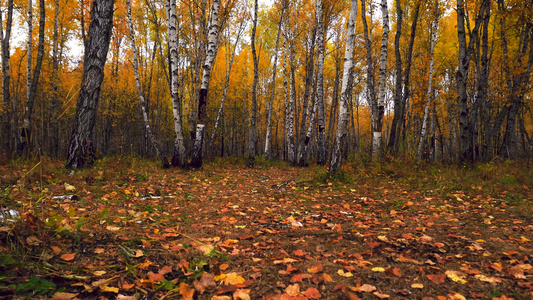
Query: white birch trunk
point(344, 111)
point(321, 159)
point(212, 48)
point(253, 126)
point(178, 157)
point(268, 137)
point(140, 93)
point(423, 131)
point(378, 122)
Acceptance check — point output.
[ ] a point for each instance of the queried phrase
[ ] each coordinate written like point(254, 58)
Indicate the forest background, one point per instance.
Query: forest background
point(430, 88)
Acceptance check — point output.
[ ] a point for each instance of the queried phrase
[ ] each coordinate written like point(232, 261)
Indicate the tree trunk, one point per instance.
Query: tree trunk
point(378, 119)
point(344, 111)
point(81, 149)
point(268, 138)
point(32, 78)
point(399, 79)
point(321, 159)
point(54, 83)
point(140, 93)
point(370, 79)
point(6, 96)
point(252, 139)
point(212, 46)
point(178, 157)
point(433, 34)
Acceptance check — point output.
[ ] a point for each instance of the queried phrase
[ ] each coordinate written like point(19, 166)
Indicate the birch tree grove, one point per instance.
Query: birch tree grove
point(346, 89)
point(284, 92)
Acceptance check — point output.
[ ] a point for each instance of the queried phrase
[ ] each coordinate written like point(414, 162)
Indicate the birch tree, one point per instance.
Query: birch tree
point(268, 138)
point(252, 139)
point(179, 158)
point(81, 149)
point(213, 29)
point(32, 78)
point(321, 159)
point(429, 95)
point(140, 93)
point(346, 88)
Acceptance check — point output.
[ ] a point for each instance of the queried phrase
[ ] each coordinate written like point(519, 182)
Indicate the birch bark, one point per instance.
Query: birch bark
point(196, 161)
point(252, 139)
point(344, 112)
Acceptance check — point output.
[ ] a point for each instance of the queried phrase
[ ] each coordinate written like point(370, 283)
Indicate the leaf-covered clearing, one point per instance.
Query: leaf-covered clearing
point(391, 230)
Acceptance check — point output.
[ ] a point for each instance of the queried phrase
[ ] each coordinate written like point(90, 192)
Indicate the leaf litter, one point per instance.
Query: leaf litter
point(277, 233)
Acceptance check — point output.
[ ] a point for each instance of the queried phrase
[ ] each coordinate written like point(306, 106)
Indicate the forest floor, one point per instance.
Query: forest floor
point(395, 230)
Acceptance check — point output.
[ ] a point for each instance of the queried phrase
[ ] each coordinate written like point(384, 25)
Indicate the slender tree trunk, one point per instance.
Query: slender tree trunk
point(178, 157)
point(6, 96)
point(321, 160)
point(370, 79)
point(292, 103)
point(268, 138)
point(344, 111)
point(81, 149)
point(306, 109)
point(140, 93)
point(252, 139)
point(54, 83)
point(378, 123)
point(196, 161)
point(399, 79)
point(433, 34)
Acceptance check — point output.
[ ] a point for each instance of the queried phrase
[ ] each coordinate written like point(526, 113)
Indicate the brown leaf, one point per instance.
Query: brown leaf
point(165, 270)
point(437, 278)
point(56, 250)
point(224, 267)
point(63, 296)
point(155, 277)
point(68, 256)
point(206, 282)
point(293, 290)
point(312, 293)
point(241, 295)
point(367, 288)
point(300, 277)
point(124, 297)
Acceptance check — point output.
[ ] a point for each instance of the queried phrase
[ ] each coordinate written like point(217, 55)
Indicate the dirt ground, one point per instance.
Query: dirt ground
point(136, 231)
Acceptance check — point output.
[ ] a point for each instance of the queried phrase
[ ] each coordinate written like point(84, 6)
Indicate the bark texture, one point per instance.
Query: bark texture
point(347, 77)
point(81, 151)
point(252, 138)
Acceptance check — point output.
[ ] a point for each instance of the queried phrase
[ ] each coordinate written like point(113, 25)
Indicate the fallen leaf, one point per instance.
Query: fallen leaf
point(367, 288)
point(165, 270)
point(380, 295)
point(378, 269)
point(456, 276)
point(124, 297)
point(56, 250)
point(155, 277)
point(315, 269)
point(33, 240)
point(344, 274)
point(110, 289)
point(99, 273)
point(299, 253)
point(312, 293)
point(524, 239)
point(484, 278)
point(112, 228)
point(417, 286)
point(327, 278)
point(437, 278)
point(241, 295)
point(221, 298)
point(223, 267)
point(293, 290)
point(456, 296)
point(186, 291)
point(138, 253)
point(68, 256)
point(63, 296)
point(205, 283)
point(233, 278)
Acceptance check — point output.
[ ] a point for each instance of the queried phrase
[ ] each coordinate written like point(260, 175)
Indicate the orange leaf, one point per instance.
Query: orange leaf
point(68, 257)
point(56, 250)
point(299, 253)
point(223, 267)
point(155, 277)
point(315, 269)
point(186, 291)
point(327, 278)
point(380, 295)
point(165, 270)
point(241, 295)
point(436, 278)
point(312, 293)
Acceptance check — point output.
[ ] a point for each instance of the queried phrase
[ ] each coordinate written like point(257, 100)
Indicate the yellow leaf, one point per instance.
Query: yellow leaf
point(524, 239)
point(327, 278)
point(233, 278)
point(127, 192)
point(343, 274)
point(220, 277)
point(113, 228)
point(481, 241)
point(417, 286)
point(378, 269)
point(456, 276)
point(99, 273)
point(105, 288)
